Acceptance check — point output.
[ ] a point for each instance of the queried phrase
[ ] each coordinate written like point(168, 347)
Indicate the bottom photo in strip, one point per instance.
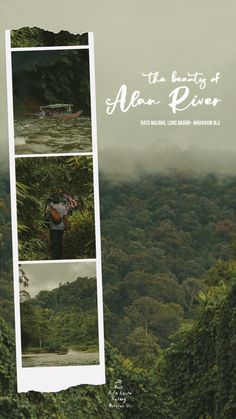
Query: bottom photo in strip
point(58, 314)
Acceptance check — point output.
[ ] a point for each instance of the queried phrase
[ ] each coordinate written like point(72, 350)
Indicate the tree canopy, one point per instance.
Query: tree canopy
point(169, 309)
point(37, 180)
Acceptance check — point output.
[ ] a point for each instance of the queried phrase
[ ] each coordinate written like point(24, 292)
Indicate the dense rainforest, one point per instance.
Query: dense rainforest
point(169, 274)
point(61, 319)
point(37, 180)
point(36, 37)
point(48, 77)
point(162, 235)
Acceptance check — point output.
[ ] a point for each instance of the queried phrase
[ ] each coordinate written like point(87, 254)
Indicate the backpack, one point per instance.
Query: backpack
point(55, 216)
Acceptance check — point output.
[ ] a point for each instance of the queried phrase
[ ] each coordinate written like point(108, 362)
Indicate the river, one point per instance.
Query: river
point(55, 360)
point(35, 135)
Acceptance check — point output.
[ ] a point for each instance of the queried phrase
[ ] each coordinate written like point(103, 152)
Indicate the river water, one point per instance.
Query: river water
point(35, 135)
point(55, 360)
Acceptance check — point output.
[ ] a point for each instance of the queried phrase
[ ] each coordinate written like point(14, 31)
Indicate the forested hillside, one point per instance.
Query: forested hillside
point(174, 224)
point(36, 37)
point(169, 274)
point(161, 235)
point(65, 317)
point(49, 77)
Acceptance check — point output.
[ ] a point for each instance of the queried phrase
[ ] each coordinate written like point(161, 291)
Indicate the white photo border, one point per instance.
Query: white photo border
point(51, 379)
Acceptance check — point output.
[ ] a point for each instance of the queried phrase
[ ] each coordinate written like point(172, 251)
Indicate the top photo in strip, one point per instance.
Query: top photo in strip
point(51, 92)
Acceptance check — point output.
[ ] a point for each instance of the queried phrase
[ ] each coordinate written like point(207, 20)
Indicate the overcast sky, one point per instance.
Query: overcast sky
point(134, 37)
point(49, 275)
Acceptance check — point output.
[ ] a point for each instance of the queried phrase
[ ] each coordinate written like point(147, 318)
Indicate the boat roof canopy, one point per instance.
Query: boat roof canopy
point(56, 106)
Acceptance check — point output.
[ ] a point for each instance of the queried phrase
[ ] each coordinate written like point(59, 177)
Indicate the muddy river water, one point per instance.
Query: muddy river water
point(35, 135)
point(56, 360)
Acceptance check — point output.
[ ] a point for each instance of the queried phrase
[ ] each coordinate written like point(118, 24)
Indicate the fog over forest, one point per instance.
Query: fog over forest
point(121, 163)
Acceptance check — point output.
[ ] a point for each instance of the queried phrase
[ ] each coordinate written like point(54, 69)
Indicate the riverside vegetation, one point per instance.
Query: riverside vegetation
point(50, 77)
point(169, 274)
point(44, 77)
point(60, 320)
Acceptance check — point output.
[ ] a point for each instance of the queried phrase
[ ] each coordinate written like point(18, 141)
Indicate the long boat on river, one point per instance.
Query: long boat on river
point(58, 110)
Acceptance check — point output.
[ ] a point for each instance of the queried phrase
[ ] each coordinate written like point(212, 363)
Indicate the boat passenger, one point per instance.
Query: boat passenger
point(41, 112)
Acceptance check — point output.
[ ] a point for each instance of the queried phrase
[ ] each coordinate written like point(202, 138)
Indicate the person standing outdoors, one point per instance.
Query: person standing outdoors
point(56, 214)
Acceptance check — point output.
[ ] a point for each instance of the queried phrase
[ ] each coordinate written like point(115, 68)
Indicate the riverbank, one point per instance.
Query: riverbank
point(50, 359)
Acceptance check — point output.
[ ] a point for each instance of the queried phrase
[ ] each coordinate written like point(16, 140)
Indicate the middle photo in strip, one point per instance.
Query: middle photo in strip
point(55, 208)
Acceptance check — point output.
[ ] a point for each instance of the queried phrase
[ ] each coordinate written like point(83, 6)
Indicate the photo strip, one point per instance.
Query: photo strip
point(55, 211)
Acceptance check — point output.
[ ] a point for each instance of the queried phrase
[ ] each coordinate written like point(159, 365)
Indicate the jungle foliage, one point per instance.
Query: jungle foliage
point(63, 318)
point(36, 37)
point(161, 235)
point(49, 77)
point(169, 292)
point(39, 178)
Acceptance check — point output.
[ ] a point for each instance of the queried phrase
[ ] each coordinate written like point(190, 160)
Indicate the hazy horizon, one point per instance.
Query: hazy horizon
point(161, 37)
point(48, 276)
point(127, 162)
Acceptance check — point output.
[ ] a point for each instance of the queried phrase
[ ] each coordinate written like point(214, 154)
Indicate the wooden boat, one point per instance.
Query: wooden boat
point(58, 110)
point(67, 116)
point(62, 352)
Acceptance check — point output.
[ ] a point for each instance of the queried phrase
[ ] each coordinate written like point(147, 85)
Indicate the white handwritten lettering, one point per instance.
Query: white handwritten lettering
point(195, 78)
point(181, 93)
point(121, 99)
point(154, 77)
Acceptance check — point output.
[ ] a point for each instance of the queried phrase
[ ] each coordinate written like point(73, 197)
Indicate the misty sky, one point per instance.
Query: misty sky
point(49, 275)
point(134, 37)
